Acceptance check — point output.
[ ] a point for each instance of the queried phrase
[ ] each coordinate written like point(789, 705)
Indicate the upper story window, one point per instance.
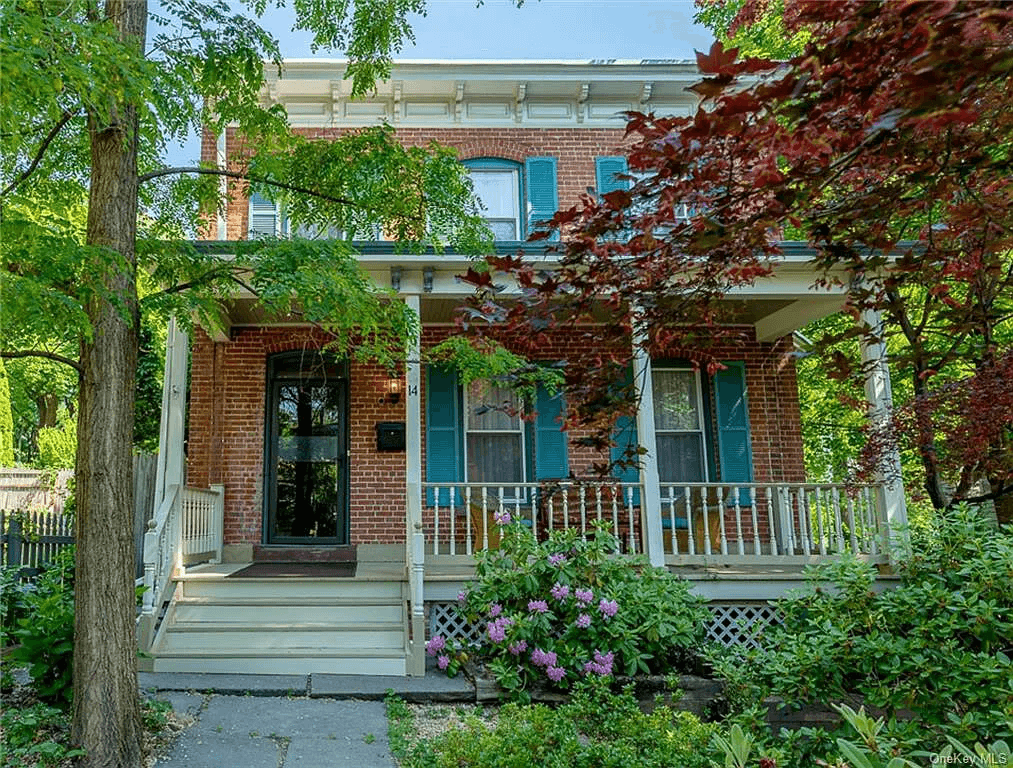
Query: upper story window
point(265, 220)
point(497, 185)
point(515, 197)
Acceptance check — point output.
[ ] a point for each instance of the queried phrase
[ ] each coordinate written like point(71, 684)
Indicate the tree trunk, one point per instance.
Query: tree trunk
point(106, 718)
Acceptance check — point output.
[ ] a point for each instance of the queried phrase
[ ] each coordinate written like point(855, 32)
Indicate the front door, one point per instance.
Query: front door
point(306, 478)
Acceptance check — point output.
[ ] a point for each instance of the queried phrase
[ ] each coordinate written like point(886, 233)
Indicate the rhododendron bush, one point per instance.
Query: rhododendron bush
point(561, 610)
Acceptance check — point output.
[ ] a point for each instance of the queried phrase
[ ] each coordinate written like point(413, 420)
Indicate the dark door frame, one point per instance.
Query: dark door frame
point(314, 368)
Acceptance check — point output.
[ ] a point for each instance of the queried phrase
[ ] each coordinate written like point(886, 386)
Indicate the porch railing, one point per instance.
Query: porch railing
point(202, 523)
point(764, 521)
point(462, 518)
point(186, 528)
point(700, 522)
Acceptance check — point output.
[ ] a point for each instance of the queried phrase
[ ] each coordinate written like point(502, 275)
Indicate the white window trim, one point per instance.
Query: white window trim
point(701, 415)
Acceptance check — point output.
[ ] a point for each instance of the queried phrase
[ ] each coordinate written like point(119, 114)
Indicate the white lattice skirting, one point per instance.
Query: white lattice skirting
point(443, 620)
point(740, 625)
point(730, 625)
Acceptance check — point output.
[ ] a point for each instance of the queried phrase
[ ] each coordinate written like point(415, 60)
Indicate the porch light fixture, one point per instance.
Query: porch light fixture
point(427, 280)
point(392, 391)
point(395, 278)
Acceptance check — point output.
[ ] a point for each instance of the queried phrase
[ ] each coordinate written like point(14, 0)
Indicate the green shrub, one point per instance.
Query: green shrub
point(559, 611)
point(13, 603)
point(58, 445)
point(597, 728)
point(938, 645)
point(46, 632)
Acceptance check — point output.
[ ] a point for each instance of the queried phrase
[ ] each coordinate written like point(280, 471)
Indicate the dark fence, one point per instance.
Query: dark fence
point(31, 538)
point(34, 525)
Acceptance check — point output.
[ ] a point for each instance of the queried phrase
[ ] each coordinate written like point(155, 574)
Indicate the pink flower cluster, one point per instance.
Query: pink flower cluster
point(584, 596)
point(542, 658)
point(436, 644)
point(518, 648)
point(584, 620)
point(495, 610)
point(559, 591)
point(537, 606)
point(602, 664)
point(557, 559)
point(608, 608)
point(498, 627)
point(502, 518)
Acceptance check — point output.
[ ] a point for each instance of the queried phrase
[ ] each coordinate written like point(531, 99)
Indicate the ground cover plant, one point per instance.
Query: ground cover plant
point(595, 728)
point(561, 610)
point(933, 653)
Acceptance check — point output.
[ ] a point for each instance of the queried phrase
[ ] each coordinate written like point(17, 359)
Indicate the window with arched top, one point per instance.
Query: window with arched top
point(515, 196)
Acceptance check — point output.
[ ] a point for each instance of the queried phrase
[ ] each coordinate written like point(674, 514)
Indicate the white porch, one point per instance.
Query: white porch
point(743, 541)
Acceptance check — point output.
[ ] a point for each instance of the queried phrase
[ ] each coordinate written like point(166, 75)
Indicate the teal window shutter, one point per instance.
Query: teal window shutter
point(443, 431)
point(734, 442)
point(540, 188)
point(606, 173)
point(551, 461)
point(624, 436)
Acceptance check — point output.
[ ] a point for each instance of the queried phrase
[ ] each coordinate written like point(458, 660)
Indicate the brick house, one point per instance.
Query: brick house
point(362, 498)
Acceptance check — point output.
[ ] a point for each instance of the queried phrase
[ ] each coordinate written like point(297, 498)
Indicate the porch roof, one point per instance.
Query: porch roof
point(776, 306)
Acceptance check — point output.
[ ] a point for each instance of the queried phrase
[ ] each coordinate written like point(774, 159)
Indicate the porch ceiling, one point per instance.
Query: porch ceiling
point(772, 317)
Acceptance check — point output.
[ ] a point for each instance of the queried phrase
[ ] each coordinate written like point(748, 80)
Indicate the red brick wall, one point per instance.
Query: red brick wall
point(226, 435)
point(574, 148)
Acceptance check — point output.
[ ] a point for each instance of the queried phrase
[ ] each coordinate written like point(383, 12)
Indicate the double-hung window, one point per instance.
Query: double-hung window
point(476, 434)
point(679, 426)
point(497, 186)
point(516, 197)
point(494, 435)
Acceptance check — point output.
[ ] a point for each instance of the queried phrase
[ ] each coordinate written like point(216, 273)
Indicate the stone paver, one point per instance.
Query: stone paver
point(262, 731)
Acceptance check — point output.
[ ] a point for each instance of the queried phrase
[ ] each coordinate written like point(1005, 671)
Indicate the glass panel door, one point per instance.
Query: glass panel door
point(307, 477)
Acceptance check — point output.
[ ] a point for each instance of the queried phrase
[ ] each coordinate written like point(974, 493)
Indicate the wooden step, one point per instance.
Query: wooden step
point(291, 661)
point(263, 610)
point(244, 638)
point(282, 590)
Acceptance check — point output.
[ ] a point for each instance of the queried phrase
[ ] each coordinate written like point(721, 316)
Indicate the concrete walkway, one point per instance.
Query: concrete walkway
point(285, 721)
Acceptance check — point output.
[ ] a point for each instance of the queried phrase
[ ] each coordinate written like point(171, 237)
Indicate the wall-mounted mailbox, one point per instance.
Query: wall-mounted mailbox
point(390, 436)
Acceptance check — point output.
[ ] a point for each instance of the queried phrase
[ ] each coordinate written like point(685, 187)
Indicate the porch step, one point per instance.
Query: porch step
point(283, 625)
point(293, 661)
point(213, 611)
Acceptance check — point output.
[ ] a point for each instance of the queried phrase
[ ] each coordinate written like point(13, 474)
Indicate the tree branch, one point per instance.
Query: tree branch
point(40, 153)
point(46, 355)
point(245, 176)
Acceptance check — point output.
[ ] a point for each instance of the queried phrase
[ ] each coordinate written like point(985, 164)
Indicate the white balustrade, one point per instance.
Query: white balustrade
point(700, 522)
point(767, 521)
point(463, 518)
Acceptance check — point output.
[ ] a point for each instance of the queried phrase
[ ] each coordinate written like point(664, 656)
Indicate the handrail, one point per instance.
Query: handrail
point(162, 553)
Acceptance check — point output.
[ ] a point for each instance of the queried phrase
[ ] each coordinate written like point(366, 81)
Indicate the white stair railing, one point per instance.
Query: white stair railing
point(162, 557)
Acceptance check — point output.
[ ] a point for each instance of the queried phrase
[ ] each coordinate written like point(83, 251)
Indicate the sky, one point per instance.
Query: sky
point(539, 29)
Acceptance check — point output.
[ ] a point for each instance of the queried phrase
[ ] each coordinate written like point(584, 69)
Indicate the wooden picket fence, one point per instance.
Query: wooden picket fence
point(35, 526)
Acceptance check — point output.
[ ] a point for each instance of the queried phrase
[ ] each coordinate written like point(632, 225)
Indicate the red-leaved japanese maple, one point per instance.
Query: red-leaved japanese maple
point(887, 146)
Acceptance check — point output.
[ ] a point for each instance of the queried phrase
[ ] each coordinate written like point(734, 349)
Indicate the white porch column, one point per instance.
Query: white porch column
point(415, 550)
point(879, 396)
point(649, 480)
point(170, 466)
